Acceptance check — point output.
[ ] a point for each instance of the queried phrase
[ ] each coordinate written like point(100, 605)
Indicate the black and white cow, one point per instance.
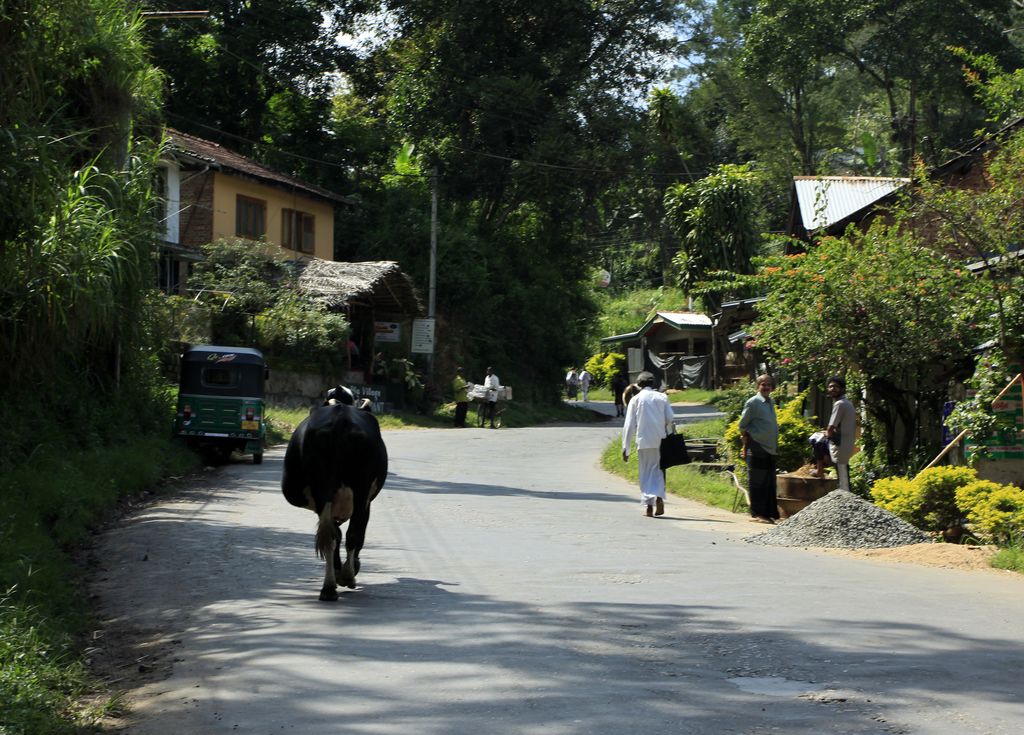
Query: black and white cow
point(335, 466)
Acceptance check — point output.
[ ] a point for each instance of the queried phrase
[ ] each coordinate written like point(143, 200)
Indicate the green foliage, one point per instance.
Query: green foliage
point(928, 501)
point(717, 221)
point(1010, 558)
point(731, 400)
point(47, 507)
point(275, 59)
point(250, 293)
point(296, 332)
point(994, 511)
point(605, 366)
point(899, 496)
point(936, 488)
point(884, 309)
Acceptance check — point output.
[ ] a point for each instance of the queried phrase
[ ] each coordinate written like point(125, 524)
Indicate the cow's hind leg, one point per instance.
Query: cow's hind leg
point(355, 538)
point(328, 536)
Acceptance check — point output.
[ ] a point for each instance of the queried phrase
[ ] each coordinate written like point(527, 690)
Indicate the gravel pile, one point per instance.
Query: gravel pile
point(842, 520)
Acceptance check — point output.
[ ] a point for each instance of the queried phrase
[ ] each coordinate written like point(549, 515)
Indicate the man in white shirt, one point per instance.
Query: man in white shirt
point(493, 385)
point(585, 379)
point(649, 417)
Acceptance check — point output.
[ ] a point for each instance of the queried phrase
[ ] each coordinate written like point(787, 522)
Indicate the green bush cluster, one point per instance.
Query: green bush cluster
point(994, 511)
point(941, 498)
point(605, 365)
point(928, 501)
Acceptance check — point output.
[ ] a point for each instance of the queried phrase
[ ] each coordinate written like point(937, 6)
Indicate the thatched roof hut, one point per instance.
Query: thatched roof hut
point(380, 284)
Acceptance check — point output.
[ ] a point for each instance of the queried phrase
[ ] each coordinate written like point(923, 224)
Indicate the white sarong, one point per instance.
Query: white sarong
point(652, 479)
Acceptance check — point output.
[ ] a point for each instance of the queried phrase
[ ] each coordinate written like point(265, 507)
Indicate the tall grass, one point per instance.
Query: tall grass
point(1010, 558)
point(48, 507)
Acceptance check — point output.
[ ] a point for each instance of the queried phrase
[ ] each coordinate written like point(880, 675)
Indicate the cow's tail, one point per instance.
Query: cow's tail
point(326, 532)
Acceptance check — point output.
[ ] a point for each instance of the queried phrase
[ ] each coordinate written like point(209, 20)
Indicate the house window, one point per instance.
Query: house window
point(297, 230)
point(250, 217)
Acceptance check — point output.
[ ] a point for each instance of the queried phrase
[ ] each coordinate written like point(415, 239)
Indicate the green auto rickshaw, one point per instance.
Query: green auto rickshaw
point(220, 401)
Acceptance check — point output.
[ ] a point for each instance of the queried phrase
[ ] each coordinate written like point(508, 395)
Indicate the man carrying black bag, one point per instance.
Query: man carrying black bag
point(650, 419)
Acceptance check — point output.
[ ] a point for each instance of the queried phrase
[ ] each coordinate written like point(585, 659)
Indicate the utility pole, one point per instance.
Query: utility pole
point(432, 294)
point(432, 302)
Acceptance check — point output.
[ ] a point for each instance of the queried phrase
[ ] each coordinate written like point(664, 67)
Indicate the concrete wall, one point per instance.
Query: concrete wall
point(292, 389)
point(1003, 471)
point(227, 188)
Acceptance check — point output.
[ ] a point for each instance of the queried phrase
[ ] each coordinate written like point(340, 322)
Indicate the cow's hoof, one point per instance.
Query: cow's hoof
point(328, 594)
point(347, 578)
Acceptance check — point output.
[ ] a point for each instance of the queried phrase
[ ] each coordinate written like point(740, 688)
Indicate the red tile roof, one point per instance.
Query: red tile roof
point(219, 157)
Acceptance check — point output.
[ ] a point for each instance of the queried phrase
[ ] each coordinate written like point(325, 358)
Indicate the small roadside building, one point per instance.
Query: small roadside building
point(211, 192)
point(827, 205)
point(674, 345)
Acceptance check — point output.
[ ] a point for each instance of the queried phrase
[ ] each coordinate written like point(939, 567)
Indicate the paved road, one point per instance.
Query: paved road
point(511, 586)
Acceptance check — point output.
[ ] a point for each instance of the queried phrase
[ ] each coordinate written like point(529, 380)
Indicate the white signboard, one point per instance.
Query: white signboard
point(422, 336)
point(387, 332)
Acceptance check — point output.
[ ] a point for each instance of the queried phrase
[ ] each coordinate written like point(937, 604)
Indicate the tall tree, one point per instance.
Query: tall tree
point(901, 48)
point(529, 112)
point(255, 72)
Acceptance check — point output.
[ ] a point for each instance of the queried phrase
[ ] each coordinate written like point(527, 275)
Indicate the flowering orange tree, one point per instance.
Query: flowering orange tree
point(897, 317)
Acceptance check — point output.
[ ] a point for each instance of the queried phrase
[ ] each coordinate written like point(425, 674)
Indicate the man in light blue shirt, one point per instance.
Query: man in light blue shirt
point(759, 429)
point(649, 417)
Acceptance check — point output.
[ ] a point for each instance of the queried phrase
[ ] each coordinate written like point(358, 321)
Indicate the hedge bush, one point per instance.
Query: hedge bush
point(605, 366)
point(994, 511)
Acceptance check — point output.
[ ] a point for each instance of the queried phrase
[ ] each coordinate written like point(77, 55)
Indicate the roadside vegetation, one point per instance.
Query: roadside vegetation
point(49, 507)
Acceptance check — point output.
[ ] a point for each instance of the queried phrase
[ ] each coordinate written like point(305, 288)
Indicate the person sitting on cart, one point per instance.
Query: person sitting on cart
point(493, 385)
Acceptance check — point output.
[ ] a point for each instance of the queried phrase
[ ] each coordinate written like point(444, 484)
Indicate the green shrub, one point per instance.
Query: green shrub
point(604, 366)
point(899, 496)
point(938, 486)
point(731, 400)
point(970, 495)
point(929, 501)
point(995, 511)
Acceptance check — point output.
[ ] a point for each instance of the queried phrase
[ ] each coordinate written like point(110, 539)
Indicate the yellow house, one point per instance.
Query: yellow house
point(211, 192)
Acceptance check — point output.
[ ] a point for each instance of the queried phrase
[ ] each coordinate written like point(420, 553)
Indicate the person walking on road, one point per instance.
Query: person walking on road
point(572, 383)
point(618, 386)
point(842, 428)
point(650, 419)
point(759, 432)
point(459, 386)
point(585, 379)
point(493, 385)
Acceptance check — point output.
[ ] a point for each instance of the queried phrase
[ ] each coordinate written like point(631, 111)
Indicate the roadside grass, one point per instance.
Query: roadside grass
point(282, 421)
point(688, 395)
point(1010, 558)
point(48, 508)
point(714, 489)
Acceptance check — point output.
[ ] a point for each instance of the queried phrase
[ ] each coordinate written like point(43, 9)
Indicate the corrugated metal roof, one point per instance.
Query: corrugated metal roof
point(685, 319)
point(675, 319)
point(825, 200)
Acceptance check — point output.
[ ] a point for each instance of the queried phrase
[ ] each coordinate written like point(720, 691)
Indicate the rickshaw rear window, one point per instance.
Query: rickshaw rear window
point(219, 377)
